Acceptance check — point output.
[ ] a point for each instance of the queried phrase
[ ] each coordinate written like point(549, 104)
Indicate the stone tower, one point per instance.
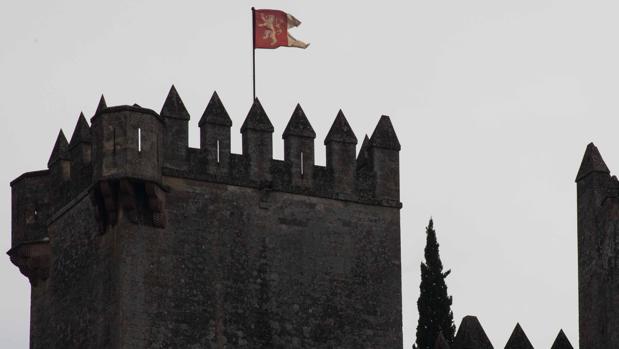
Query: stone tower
point(598, 253)
point(132, 239)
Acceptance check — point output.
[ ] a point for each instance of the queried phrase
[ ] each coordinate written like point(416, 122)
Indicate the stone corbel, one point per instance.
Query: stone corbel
point(33, 258)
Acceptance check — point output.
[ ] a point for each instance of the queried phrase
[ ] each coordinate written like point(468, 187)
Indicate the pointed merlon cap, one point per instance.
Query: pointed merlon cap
point(441, 342)
point(518, 340)
point(341, 131)
point(362, 158)
point(299, 125)
point(257, 119)
point(215, 113)
point(591, 162)
point(384, 135)
point(81, 133)
point(60, 150)
point(102, 105)
point(561, 342)
point(471, 335)
point(173, 107)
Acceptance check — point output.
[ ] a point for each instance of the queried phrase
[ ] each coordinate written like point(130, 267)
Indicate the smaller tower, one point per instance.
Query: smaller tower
point(215, 136)
point(257, 134)
point(176, 135)
point(299, 148)
point(127, 158)
point(341, 144)
point(384, 154)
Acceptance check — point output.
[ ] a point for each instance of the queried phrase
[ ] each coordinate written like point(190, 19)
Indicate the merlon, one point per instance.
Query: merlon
point(591, 162)
point(60, 150)
point(173, 107)
point(215, 113)
point(299, 125)
point(257, 119)
point(341, 131)
point(384, 135)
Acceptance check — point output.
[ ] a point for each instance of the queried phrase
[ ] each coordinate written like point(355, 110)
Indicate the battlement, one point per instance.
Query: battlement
point(122, 157)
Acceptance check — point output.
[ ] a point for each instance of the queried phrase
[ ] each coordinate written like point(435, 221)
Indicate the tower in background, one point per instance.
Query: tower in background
point(598, 253)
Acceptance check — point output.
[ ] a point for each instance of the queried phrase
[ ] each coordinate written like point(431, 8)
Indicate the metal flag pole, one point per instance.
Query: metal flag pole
point(253, 48)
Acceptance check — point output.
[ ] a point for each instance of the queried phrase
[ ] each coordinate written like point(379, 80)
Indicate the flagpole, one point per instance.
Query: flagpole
point(253, 46)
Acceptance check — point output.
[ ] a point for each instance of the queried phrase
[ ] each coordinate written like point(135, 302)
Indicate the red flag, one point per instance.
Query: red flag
point(271, 29)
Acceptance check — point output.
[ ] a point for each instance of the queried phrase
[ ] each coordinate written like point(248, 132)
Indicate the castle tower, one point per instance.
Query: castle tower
point(598, 252)
point(133, 239)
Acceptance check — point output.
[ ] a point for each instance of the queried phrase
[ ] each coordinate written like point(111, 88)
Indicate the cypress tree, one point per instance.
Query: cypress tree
point(434, 305)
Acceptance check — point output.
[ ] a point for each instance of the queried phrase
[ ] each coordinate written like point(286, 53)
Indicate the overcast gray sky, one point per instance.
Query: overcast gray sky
point(493, 102)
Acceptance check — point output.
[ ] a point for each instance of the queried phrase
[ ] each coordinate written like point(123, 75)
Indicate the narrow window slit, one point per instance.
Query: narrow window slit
point(139, 140)
point(301, 164)
point(218, 151)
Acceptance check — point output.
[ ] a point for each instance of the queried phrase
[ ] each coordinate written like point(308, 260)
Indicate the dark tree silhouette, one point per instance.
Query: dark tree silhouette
point(434, 304)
